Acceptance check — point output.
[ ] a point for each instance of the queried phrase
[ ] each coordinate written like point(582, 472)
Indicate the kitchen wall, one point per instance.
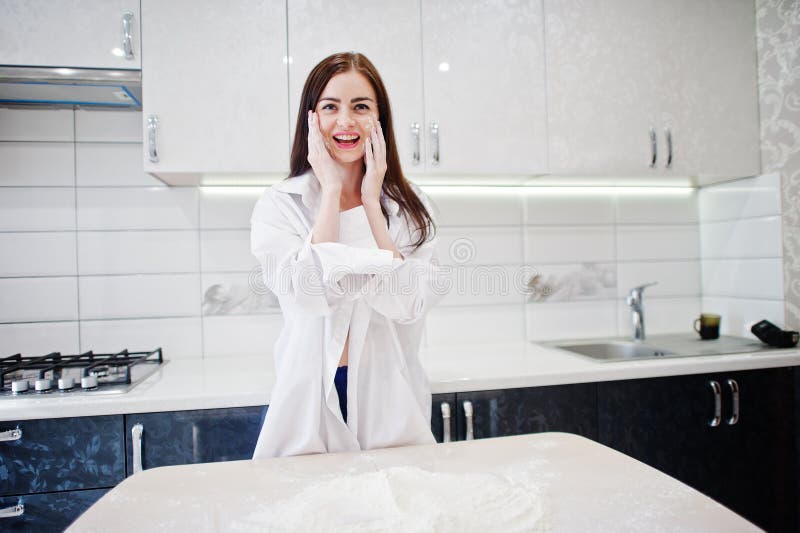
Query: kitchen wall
point(95, 254)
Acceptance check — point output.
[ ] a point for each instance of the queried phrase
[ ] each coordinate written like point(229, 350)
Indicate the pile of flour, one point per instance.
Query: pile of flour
point(408, 499)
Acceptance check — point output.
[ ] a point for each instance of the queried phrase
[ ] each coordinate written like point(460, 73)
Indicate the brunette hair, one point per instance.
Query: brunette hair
point(395, 185)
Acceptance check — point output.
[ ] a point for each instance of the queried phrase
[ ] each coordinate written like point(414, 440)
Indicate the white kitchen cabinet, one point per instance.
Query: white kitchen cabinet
point(214, 75)
point(70, 33)
point(440, 64)
point(616, 69)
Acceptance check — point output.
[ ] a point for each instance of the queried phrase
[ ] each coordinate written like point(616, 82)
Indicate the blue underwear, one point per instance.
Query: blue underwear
point(340, 382)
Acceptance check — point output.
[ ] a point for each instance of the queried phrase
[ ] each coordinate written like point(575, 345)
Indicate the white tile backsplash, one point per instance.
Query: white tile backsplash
point(484, 284)
point(675, 278)
point(474, 324)
point(179, 338)
point(30, 164)
point(231, 336)
point(552, 210)
point(476, 245)
point(637, 243)
point(568, 244)
point(99, 125)
point(38, 299)
point(138, 252)
point(750, 237)
point(469, 209)
point(747, 198)
point(37, 209)
point(657, 209)
point(739, 314)
point(573, 282)
point(661, 315)
point(137, 208)
point(571, 320)
point(41, 338)
point(37, 125)
point(226, 251)
point(140, 296)
point(224, 209)
point(37, 254)
point(743, 278)
point(111, 164)
point(237, 293)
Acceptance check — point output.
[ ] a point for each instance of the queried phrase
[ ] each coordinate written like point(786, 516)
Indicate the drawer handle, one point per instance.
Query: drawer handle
point(11, 512)
point(127, 44)
point(11, 435)
point(136, 436)
point(734, 418)
point(415, 157)
point(152, 131)
point(468, 417)
point(435, 143)
point(715, 421)
point(653, 148)
point(668, 135)
point(445, 422)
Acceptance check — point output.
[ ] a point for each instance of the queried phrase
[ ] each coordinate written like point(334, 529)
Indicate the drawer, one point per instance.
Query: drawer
point(60, 454)
point(48, 512)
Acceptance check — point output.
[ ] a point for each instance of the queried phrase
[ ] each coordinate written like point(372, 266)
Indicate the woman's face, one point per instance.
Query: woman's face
point(346, 110)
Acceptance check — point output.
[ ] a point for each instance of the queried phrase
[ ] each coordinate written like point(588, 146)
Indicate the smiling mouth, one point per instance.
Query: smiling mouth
point(346, 141)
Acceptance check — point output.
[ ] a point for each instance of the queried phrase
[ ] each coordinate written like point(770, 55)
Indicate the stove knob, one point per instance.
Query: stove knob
point(20, 385)
point(43, 385)
point(65, 383)
point(89, 382)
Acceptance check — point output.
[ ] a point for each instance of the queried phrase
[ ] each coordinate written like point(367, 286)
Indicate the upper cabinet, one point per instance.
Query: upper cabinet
point(458, 106)
point(652, 88)
point(214, 88)
point(70, 33)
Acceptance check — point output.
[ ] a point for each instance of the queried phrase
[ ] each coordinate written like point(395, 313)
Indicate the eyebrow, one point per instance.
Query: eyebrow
point(352, 101)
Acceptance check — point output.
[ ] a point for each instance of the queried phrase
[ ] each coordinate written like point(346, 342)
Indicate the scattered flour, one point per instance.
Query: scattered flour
point(408, 499)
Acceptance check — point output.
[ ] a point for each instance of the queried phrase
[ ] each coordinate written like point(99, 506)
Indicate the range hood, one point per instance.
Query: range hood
point(49, 86)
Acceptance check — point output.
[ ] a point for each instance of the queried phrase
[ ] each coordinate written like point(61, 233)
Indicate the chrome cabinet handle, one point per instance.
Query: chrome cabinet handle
point(435, 143)
point(136, 436)
point(734, 418)
point(152, 129)
point(668, 135)
point(11, 435)
point(415, 157)
point(468, 417)
point(11, 512)
point(653, 148)
point(445, 422)
point(127, 40)
point(715, 421)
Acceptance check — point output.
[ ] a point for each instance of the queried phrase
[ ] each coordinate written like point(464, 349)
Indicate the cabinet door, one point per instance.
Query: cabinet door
point(215, 76)
point(498, 413)
point(485, 86)
point(68, 33)
point(49, 512)
point(60, 454)
point(603, 81)
point(438, 419)
point(202, 436)
point(387, 32)
point(710, 97)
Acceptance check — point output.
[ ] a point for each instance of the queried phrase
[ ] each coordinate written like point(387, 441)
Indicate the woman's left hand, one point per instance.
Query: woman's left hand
point(375, 158)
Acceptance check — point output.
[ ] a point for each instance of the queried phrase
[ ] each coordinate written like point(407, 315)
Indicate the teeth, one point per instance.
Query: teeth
point(347, 137)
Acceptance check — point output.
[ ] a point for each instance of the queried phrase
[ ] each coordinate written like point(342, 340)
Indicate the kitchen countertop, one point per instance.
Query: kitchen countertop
point(541, 482)
point(211, 383)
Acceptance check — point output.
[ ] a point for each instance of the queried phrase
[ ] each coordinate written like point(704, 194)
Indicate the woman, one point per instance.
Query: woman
point(347, 245)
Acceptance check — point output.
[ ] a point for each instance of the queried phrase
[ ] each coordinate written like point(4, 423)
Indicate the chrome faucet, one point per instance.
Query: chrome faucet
point(637, 310)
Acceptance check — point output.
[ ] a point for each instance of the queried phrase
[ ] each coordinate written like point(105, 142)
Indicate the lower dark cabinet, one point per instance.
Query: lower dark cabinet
point(443, 415)
point(48, 512)
point(201, 436)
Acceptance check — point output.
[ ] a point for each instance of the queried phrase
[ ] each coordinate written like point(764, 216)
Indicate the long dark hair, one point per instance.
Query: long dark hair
point(395, 185)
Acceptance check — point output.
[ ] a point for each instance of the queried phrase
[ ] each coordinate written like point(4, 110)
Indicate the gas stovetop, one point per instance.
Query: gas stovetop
point(56, 375)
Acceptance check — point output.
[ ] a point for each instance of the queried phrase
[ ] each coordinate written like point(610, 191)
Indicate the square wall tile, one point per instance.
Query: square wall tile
point(636, 243)
point(228, 208)
point(226, 251)
point(179, 338)
point(568, 244)
point(743, 278)
point(38, 254)
point(29, 164)
point(37, 209)
point(745, 198)
point(657, 209)
point(100, 125)
point(38, 299)
point(233, 336)
point(467, 208)
point(36, 125)
point(141, 296)
point(543, 208)
point(739, 314)
point(484, 284)
point(571, 320)
point(750, 237)
point(137, 208)
point(661, 315)
point(238, 293)
point(111, 164)
point(478, 324)
point(473, 245)
point(572, 282)
point(34, 339)
point(138, 252)
point(675, 278)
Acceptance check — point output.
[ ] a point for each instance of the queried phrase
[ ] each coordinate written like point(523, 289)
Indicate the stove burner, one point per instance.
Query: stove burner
point(96, 373)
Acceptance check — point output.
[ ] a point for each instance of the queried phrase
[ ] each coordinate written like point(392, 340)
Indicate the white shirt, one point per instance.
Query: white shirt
point(325, 290)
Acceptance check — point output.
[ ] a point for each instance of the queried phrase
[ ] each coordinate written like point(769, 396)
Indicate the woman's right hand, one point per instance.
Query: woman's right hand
point(325, 168)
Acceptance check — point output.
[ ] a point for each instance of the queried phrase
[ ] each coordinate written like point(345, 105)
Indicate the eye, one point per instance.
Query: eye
point(362, 107)
point(329, 106)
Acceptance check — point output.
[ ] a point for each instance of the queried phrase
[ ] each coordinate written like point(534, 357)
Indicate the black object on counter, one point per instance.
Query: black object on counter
point(771, 334)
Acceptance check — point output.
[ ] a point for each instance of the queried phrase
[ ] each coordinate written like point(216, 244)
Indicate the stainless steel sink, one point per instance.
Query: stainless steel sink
point(616, 350)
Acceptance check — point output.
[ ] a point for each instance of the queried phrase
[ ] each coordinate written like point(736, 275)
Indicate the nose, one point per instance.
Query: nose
point(344, 119)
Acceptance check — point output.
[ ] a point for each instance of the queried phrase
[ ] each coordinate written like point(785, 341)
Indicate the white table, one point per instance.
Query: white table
point(542, 482)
